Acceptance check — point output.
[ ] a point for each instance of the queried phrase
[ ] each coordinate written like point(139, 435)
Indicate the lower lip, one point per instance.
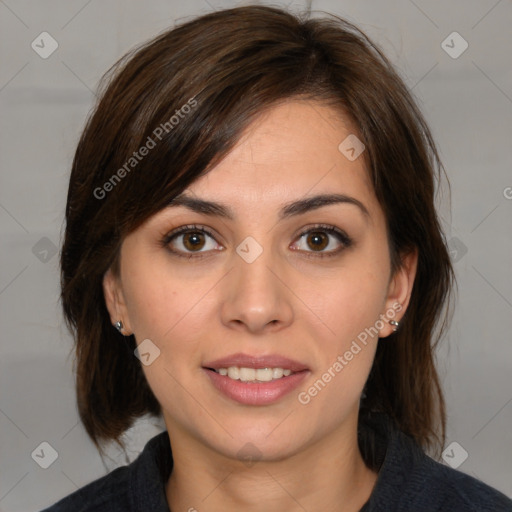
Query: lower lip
point(251, 393)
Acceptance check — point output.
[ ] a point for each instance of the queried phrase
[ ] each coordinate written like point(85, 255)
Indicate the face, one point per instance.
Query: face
point(267, 285)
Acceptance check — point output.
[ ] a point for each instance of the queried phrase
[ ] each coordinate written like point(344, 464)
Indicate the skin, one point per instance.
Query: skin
point(308, 309)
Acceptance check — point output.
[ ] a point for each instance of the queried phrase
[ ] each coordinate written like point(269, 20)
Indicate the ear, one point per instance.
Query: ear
point(399, 292)
point(114, 300)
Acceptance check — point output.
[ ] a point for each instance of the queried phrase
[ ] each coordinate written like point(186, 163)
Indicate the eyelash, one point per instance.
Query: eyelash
point(342, 237)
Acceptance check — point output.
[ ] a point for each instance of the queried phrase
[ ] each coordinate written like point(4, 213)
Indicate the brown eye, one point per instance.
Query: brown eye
point(193, 240)
point(317, 240)
point(190, 241)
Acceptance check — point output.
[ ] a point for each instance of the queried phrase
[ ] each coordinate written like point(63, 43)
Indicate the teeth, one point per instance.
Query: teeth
point(233, 373)
point(246, 374)
point(253, 374)
point(277, 373)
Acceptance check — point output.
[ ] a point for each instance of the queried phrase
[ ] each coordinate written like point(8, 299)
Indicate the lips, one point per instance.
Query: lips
point(252, 361)
point(253, 392)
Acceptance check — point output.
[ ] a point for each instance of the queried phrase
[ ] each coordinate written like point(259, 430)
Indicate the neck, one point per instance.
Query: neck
point(330, 474)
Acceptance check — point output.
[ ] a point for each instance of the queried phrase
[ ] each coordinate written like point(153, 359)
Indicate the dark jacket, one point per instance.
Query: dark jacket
point(408, 481)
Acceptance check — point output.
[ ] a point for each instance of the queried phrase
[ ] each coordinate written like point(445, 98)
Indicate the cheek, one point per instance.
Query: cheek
point(162, 310)
point(349, 303)
point(154, 301)
point(147, 300)
point(170, 311)
point(347, 350)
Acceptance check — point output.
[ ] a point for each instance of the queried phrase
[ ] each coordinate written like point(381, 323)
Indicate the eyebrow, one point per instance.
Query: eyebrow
point(289, 210)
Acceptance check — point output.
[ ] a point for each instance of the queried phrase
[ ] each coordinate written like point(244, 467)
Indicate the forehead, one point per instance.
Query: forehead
point(291, 150)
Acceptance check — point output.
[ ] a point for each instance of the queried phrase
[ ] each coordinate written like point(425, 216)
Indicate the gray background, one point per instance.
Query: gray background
point(468, 103)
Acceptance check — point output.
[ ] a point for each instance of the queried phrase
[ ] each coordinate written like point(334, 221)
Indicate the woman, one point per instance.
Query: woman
point(252, 251)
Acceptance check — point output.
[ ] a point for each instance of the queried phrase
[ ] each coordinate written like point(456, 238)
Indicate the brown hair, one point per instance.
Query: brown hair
point(229, 66)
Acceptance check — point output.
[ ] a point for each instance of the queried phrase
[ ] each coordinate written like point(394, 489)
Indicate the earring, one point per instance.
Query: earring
point(395, 324)
point(119, 326)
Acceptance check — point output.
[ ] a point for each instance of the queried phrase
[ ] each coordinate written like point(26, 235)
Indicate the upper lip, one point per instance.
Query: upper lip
point(248, 361)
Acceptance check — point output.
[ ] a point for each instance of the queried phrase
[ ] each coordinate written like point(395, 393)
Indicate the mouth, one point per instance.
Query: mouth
point(248, 368)
point(255, 380)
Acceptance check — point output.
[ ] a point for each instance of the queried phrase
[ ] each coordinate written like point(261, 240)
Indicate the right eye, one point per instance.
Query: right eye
point(188, 240)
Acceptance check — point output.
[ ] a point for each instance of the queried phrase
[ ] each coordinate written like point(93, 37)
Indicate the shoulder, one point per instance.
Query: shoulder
point(138, 486)
point(106, 494)
point(429, 485)
point(456, 491)
point(411, 481)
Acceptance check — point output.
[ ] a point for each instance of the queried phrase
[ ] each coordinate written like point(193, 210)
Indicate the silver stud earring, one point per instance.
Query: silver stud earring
point(119, 326)
point(395, 324)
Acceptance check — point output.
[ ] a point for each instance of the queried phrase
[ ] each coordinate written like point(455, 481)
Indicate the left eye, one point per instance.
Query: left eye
point(320, 238)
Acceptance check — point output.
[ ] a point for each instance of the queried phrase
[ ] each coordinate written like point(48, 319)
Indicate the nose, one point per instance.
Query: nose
point(257, 294)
